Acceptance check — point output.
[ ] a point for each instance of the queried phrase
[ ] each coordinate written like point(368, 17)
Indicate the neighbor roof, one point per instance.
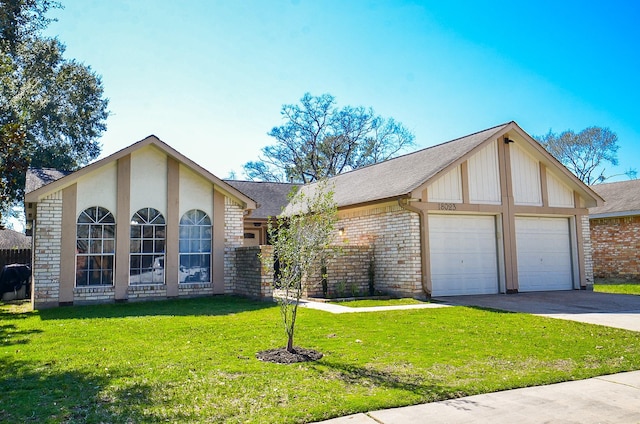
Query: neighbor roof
point(39, 177)
point(152, 140)
point(400, 176)
point(10, 239)
point(271, 197)
point(621, 199)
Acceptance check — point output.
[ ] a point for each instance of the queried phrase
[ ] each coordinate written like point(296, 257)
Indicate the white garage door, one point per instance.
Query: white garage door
point(463, 255)
point(544, 254)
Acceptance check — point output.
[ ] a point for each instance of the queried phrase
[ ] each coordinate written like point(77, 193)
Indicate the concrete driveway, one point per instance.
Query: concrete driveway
point(613, 310)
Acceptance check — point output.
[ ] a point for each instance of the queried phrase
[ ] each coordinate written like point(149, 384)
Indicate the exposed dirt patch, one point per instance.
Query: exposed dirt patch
point(282, 356)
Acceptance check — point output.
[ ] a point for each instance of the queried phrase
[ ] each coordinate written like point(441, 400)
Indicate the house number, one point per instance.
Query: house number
point(447, 206)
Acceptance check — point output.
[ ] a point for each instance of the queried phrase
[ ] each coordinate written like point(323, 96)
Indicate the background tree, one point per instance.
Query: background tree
point(299, 238)
point(318, 140)
point(586, 152)
point(52, 110)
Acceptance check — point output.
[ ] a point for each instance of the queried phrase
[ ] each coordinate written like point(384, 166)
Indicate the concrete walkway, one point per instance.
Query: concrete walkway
point(606, 399)
point(336, 308)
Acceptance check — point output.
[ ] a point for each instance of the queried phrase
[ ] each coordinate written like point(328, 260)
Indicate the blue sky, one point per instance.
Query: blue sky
point(209, 77)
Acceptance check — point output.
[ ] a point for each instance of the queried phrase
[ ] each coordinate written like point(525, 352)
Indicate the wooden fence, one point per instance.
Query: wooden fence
point(15, 256)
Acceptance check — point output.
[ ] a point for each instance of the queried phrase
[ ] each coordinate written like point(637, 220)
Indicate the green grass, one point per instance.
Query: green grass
point(194, 360)
point(375, 302)
point(623, 288)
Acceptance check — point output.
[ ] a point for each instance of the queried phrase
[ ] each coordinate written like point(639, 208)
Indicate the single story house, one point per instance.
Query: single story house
point(145, 222)
point(615, 231)
point(491, 212)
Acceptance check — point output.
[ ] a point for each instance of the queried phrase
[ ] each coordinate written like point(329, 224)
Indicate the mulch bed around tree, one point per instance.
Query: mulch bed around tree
point(282, 356)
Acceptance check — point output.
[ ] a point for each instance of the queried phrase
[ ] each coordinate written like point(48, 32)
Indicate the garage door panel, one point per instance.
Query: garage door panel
point(544, 254)
point(463, 255)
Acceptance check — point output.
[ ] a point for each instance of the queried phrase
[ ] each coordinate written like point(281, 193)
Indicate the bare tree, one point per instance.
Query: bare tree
point(318, 140)
point(299, 238)
point(586, 152)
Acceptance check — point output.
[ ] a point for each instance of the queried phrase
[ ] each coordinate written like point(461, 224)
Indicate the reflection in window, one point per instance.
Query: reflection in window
point(95, 247)
point(195, 247)
point(146, 260)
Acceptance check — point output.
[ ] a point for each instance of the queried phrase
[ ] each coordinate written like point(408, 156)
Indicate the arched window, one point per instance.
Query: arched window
point(95, 247)
point(195, 247)
point(146, 259)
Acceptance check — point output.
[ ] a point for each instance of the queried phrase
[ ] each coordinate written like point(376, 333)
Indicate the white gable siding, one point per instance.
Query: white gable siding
point(447, 188)
point(484, 176)
point(559, 194)
point(98, 188)
point(525, 177)
point(195, 192)
point(148, 180)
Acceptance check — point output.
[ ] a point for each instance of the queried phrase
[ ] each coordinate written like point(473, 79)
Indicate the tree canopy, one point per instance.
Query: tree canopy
point(585, 153)
point(320, 140)
point(52, 110)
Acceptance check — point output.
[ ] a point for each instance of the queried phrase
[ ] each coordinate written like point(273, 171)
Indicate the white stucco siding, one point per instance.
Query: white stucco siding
point(195, 192)
point(525, 177)
point(148, 180)
point(447, 188)
point(559, 194)
point(484, 176)
point(99, 188)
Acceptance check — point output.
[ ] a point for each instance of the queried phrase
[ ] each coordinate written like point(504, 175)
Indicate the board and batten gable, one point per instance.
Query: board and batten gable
point(147, 174)
point(525, 176)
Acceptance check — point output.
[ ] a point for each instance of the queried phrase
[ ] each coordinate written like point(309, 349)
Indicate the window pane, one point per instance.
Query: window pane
point(82, 246)
point(184, 246)
point(109, 246)
point(147, 231)
point(184, 231)
point(159, 246)
point(109, 231)
point(96, 246)
point(135, 246)
point(205, 246)
point(136, 231)
point(83, 231)
point(206, 233)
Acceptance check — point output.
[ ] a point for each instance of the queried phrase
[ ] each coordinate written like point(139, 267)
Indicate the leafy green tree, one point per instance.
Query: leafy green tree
point(319, 140)
point(52, 110)
point(299, 237)
point(585, 153)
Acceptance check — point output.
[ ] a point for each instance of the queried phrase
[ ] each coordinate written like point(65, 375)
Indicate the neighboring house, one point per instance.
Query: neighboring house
point(492, 212)
point(145, 222)
point(615, 231)
point(270, 198)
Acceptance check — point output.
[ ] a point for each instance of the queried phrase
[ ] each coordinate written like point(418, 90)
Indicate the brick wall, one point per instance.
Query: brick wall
point(46, 254)
point(394, 234)
point(588, 252)
point(233, 238)
point(347, 273)
point(254, 278)
point(195, 289)
point(616, 247)
point(82, 295)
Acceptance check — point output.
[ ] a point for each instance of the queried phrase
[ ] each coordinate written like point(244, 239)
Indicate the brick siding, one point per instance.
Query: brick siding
point(255, 277)
point(46, 254)
point(233, 238)
point(347, 273)
point(394, 234)
point(616, 247)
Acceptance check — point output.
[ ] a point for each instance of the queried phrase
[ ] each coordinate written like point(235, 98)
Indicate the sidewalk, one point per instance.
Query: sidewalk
point(605, 399)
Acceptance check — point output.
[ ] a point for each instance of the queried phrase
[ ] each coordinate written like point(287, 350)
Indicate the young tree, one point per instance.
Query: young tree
point(52, 110)
point(299, 237)
point(318, 140)
point(585, 153)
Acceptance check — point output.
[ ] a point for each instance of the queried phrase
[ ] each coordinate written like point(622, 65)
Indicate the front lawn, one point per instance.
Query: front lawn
point(617, 287)
point(194, 360)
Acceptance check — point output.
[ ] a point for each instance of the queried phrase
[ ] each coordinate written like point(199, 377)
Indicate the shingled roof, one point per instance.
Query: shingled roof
point(271, 197)
point(400, 176)
point(39, 177)
point(621, 199)
point(10, 239)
